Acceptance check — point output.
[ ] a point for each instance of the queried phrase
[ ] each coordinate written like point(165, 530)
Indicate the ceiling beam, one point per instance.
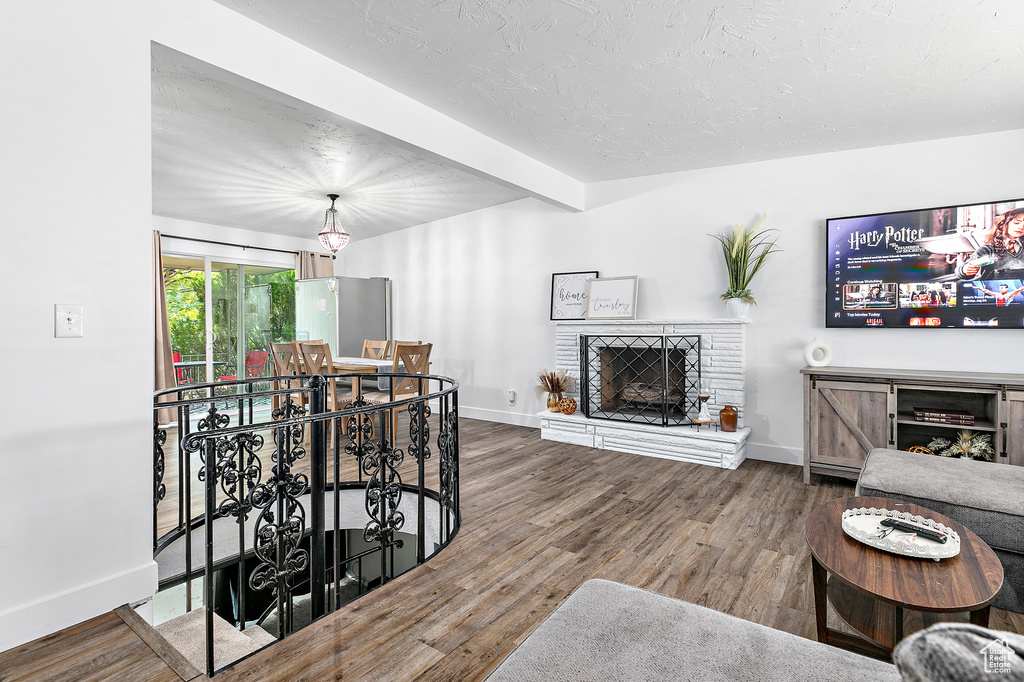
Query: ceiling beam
point(219, 36)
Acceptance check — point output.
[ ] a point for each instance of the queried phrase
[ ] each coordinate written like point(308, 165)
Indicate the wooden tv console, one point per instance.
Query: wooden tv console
point(850, 410)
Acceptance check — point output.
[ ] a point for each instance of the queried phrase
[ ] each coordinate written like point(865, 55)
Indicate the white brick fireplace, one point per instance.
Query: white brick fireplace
point(722, 362)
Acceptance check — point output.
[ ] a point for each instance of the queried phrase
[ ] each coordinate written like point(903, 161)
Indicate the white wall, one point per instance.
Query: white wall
point(478, 285)
point(75, 442)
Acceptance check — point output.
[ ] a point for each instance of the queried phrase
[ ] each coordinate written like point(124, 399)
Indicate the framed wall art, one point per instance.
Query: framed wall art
point(569, 294)
point(612, 298)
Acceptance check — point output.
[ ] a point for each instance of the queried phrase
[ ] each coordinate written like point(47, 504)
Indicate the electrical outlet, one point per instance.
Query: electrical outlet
point(511, 396)
point(67, 321)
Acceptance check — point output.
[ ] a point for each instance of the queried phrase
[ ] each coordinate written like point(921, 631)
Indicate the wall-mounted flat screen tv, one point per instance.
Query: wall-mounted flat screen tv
point(955, 266)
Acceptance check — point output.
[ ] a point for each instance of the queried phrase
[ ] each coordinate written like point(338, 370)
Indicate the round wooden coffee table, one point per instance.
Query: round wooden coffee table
point(870, 588)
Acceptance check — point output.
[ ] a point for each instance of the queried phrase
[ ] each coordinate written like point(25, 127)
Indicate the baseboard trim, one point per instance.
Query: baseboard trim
point(754, 450)
point(44, 616)
point(775, 453)
point(500, 416)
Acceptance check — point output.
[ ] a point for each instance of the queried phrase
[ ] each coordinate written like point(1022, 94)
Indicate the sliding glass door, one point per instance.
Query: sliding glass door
point(220, 312)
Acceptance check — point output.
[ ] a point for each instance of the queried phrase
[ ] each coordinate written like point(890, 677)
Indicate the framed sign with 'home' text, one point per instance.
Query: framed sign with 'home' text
point(569, 294)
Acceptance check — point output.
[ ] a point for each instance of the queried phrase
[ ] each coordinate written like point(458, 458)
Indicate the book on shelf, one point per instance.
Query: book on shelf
point(945, 420)
point(941, 412)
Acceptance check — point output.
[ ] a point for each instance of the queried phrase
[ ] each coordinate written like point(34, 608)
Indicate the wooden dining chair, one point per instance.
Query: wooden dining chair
point(286, 364)
point(378, 350)
point(394, 345)
point(415, 357)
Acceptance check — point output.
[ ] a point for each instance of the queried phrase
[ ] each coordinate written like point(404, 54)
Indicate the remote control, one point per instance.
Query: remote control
point(929, 533)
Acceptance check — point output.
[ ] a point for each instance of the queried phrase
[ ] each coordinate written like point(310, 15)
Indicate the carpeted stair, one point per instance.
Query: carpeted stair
point(187, 634)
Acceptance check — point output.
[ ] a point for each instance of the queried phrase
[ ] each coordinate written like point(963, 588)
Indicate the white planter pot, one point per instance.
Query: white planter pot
point(737, 308)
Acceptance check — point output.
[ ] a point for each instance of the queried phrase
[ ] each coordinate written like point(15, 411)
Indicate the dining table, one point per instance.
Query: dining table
point(369, 366)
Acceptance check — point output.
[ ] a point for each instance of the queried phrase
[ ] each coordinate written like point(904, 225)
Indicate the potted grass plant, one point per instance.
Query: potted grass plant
point(746, 250)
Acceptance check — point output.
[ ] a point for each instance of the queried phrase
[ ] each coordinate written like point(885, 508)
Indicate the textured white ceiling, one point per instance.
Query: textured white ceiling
point(229, 152)
point(604, 89)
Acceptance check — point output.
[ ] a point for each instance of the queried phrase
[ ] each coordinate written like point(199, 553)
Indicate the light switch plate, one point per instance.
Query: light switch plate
point(67, 321)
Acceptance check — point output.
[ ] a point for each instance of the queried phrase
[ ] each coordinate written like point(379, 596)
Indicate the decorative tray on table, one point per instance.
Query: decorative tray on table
point(864, 524)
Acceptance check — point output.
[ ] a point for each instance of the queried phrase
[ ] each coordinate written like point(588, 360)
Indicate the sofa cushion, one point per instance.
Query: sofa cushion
point(609, 631)
point(987, 498)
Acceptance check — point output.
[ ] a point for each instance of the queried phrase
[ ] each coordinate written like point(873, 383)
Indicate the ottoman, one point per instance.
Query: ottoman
point(985, 497)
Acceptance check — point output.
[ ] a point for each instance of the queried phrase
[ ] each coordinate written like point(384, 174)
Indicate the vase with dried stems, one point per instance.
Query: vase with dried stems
point(554, 384)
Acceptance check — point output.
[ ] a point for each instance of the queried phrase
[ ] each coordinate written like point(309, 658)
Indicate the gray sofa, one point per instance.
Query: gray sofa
point(606, 632)
point(986, 498)
point(609, 631)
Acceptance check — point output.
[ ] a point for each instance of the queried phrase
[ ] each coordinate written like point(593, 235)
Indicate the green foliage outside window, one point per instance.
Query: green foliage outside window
point(269, 311)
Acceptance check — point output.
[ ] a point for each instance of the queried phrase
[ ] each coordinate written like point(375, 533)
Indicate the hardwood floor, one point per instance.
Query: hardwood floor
point(540, 518)
point(102, 648)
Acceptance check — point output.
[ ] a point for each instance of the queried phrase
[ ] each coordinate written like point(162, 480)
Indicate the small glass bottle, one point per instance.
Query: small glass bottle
point(727, 417)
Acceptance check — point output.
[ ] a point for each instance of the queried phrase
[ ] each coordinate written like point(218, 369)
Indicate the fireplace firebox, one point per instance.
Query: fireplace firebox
point(641, 378)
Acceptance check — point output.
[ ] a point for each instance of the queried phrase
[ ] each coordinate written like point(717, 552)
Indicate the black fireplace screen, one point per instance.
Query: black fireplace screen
point(648, 379)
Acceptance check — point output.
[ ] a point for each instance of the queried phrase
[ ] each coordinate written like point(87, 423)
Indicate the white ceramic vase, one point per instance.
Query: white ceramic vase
point(812, 350)
point(737, 308)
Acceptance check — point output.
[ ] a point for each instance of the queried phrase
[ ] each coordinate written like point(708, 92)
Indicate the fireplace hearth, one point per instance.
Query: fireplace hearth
point(640, 378)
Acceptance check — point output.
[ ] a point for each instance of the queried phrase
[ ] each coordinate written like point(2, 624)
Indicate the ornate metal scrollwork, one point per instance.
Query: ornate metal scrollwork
point(276, 540)
point(383, 487)
point(448, 445)
point(213, 421)
point(240, 469)
point(269, 535)
point(293, 433)
point(159, 439)
point(416, 429)
point(360, 432)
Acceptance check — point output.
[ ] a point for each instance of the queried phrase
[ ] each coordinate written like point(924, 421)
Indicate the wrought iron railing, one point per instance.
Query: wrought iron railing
point(286, 511)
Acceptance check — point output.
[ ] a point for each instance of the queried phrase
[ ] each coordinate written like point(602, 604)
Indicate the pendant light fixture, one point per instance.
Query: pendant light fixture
point(333, 237)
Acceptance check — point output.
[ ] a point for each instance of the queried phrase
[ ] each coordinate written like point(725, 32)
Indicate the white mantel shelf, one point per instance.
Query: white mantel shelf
point(681, 443)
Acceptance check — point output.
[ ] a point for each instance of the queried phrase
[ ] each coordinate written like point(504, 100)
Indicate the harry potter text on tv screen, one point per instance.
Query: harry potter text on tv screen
point(955, 266)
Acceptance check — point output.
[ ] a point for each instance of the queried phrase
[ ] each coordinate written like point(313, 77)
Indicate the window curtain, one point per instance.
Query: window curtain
point(164, 359)
point(310, 265)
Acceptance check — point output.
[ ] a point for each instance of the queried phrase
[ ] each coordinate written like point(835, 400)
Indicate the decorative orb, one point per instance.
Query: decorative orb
point(567, 405)
point(813, 348)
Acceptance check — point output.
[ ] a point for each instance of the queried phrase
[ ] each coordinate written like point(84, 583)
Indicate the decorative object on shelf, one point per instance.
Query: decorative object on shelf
point(815, 346)
point(569, 294)
point(333, 237)
point(920, 448)
point(865, 524)
point(611, 298)
point(703, 395)
point(737, 308)
point(727, 418)
point(567, 405)
point(745, 250)
point(554, 384)
point(967, 444)
point(940, 415)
